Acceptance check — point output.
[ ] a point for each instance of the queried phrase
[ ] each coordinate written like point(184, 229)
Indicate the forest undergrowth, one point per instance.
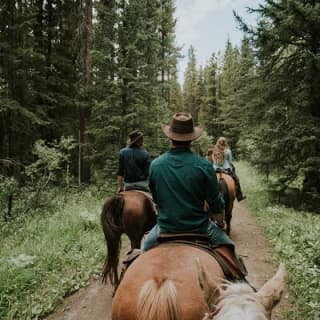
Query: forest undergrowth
point(294, 236)
point(47, 255)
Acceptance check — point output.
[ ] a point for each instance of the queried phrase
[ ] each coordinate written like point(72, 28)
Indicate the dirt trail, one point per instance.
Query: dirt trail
point(94, 301)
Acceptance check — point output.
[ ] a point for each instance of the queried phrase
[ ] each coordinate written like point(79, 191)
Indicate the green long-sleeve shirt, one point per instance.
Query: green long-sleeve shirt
point(180, 182)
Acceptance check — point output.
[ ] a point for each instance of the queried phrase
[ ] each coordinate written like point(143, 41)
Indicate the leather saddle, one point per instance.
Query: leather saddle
point(137, 188)
point(232, 265)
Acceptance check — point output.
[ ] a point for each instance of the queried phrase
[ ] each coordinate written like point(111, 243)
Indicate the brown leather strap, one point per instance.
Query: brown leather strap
point(184, 237)
point(233, 269)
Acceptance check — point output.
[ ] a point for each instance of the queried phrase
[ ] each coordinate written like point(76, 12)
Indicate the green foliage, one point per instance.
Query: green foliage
point(295, 240)
point(53, 160)
point(176, 97)
point(8, 187)
point(203, 143)
point(51, 168)
point(45, 92)
point(190, 86)
point(281, 103)
point(45, 257)
point(135, 83)
point(38, 77)
point(209, 110)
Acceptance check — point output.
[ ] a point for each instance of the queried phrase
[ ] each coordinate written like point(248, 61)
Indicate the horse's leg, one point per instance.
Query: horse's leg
point(228, 220)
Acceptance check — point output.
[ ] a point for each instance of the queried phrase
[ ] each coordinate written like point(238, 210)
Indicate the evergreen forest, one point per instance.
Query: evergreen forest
point(77, 76)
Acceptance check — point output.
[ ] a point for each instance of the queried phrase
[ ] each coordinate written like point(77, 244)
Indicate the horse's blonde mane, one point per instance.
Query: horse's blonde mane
point(239, 302)
point(158, 300)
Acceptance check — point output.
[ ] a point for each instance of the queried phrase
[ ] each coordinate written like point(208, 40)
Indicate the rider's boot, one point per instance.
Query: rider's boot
point(239, 194)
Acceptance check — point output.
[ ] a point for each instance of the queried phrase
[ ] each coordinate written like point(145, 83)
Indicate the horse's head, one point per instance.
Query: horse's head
point(239, 301)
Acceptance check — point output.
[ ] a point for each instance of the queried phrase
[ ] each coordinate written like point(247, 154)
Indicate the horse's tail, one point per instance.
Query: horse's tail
point(223, 188)
point(158, 301)
point(111, 216)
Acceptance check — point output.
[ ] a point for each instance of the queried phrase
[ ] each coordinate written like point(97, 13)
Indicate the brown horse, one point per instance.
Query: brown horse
point(131, 213)
point(180, 282)
point(227, 188)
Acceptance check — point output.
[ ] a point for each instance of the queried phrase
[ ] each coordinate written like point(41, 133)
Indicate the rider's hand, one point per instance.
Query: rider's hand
point(120, 189)
point(221, 224)
point(219, 219)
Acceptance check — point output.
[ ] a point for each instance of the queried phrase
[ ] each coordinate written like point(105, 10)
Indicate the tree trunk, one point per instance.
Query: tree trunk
point(85, 113)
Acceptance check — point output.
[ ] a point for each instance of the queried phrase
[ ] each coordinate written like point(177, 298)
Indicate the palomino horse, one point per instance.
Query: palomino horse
point(227, 188)
point(181, 282)
point(129, 212)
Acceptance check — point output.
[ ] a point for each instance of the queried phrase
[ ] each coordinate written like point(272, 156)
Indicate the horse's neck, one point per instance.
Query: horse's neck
point(240, 303)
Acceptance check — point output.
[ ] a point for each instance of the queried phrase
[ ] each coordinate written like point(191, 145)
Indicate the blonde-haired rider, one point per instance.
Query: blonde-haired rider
point(222, 160)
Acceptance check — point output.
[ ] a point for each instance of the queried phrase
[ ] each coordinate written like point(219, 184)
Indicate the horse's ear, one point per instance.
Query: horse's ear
point(270, 294)
point(211, 290)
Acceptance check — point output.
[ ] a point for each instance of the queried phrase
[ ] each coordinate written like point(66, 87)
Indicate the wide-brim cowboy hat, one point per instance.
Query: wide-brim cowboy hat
point(181, 128)
point(134, 136)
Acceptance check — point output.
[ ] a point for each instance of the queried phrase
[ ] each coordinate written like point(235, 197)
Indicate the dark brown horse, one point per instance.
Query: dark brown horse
point(180, 282)
point(131, 213)
point(227, 188)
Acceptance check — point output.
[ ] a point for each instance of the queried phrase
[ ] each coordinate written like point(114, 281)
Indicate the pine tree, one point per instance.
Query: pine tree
point(105, 114)
point(136, 62)
point(190, 84)
point(86, 106)
point(39, 74)
point(240, 99)
point(200, 92)
point(49, 87)
point(20, 112)
point(226, 92)
point(209, 112)
point(286, 115)
point(168, 51)
point(176, 98)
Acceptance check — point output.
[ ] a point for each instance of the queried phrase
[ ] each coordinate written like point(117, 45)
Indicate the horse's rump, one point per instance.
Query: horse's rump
point(184, 283)
point(169, 275)
point(227, 181)
point(129, 212)
point(138, 216)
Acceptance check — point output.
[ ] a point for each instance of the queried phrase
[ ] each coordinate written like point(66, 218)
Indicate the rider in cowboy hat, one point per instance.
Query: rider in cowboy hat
point(181, 182)
point(134, 163)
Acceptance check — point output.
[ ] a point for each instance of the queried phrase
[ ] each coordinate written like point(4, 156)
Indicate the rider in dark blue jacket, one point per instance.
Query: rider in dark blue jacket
point(134, 163)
